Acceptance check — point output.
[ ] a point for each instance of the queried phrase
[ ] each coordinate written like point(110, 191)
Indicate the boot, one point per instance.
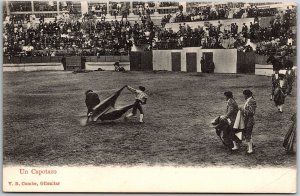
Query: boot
point(141, 118)
point(235, 146)
point(280, 108)
point(253, 146)
point(250, 147)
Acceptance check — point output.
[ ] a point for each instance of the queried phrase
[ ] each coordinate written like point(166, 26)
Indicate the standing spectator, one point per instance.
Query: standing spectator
point(290, 77)
point(64, 62)
point(125, 12)
point(147, 11)
point(119, 6)
point(280, 93)
point(274, 82)
point(245, 30)
point(140, 11)
point(115, 13)
point(203, 65)
point(104, 9)
point(83, 60)
point(129, 45)
point(180, 7)
point(248, 112)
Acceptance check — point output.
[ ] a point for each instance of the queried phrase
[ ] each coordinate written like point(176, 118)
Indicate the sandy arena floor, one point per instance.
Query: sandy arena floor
point(42, 112)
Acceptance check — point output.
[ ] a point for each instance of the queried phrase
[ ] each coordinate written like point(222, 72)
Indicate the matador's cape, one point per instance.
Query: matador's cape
point(106, 110)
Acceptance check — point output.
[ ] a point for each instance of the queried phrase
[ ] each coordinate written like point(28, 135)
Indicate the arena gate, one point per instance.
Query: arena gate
point(176, 61)
point(191, 62)
point(141, 61)
point(245, 62)
point(73, 62)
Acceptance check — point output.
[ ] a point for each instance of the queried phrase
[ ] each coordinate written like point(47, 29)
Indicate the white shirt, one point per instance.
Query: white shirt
point(281, 82)
point(139, 95)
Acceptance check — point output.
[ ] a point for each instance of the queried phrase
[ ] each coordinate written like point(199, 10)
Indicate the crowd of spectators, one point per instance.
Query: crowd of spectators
point(90, 36)
point(143, 10)
point(205, 37)
point(279, 37)
point(217, 13)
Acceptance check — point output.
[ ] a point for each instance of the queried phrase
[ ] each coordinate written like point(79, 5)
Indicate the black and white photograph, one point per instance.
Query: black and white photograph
point(183, 89)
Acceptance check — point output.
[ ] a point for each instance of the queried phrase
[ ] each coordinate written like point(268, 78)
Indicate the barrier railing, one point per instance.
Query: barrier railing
point(34, 59)
point(57, 59)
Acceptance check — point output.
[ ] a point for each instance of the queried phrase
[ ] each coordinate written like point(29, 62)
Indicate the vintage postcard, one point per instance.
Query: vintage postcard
point(149, 96)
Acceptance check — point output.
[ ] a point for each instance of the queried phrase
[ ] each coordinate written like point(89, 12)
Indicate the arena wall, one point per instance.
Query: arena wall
point(106, 66)
point(33, 67)
point(225, 59)
point(266, 70)
point(162, 60)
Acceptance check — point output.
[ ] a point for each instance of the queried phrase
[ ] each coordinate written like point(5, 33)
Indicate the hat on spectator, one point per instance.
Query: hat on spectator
point(248, 93)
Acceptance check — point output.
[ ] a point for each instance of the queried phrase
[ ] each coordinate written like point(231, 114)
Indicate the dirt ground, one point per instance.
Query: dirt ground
point(42, 113)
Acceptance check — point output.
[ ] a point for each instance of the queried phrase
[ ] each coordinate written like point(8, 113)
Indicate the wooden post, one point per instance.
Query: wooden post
point(57, 6)
point(7, 7)
point(32, 7)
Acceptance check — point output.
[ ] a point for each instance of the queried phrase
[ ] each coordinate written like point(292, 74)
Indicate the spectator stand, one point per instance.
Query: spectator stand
point(85, 37)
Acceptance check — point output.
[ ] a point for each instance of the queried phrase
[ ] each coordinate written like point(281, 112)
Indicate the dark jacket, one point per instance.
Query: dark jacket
point(83, 60)
point(249, 112)
point(64, 62)
point(231, 110)
point(91, 100)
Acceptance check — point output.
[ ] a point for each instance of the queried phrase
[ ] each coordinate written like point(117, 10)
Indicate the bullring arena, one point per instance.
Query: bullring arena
point(43, 104)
